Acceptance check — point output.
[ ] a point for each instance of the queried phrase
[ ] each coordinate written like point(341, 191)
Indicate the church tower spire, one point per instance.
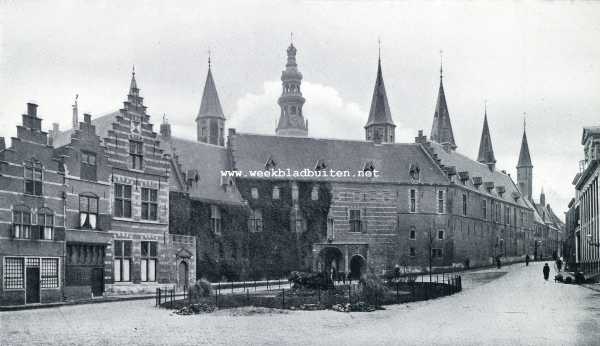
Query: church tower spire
point(291, 119)
point(380, 127)
point(210, 122)
point(441, 130)
point(524, 167)
point(486, 151)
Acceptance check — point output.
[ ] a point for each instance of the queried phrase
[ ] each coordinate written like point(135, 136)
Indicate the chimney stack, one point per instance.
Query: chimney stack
point(55, 128)
point(32, 109)
point(75, 114)
point(87, 118)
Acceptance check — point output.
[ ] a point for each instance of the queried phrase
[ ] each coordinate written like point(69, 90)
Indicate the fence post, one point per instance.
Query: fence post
point(319, 289)
point(279, 283)
point(216, 299)
point(349, 293)
point(283, 298)
point(232, 287)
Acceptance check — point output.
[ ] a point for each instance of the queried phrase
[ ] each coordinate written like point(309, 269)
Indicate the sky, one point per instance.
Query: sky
point(535, 58)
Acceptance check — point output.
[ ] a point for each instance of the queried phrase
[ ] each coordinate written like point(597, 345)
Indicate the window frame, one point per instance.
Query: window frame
point(464, 204)
point(122, 203)
point(441, 202)
point(136, 154)
point(412, 233)
point(355, 222)
point(46, 230)
point(121, 258)
point(12, 279)
point(32, 185)
point(215, 220)
point(88, 197)
point(21, 229)
point(147, 256)
point(255, 221)
point(412, 200)
point(149, 206)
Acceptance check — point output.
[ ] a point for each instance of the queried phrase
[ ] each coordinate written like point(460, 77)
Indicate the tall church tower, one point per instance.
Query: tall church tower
point(210, 121)
point(486, 151)
point(380, 127)
point(441, 130)
point(291, 120)
point(525, 168)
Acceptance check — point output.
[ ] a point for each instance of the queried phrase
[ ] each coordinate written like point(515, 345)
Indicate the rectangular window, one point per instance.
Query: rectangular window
point(88, 211)
point(122, 200)
point(464, 204)
point(314, 194)
point(49, 273)
point(412, 233)
point(484, 209)
point(149, 204)
point(88, 165)
point(441, 203)
point(413, 200)
point(149, 260)
point(21, 224)
point(255, 222)
point(215, 219)
point(136, 154)
point(33, 179)
point(46, 224)
point(412, 252)
point(437, 253)
point(441, 234)
point(122, 260)
point(355, 220)
point(14, 273)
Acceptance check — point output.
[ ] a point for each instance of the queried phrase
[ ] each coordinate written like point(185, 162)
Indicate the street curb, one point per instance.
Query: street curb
point(78, 302)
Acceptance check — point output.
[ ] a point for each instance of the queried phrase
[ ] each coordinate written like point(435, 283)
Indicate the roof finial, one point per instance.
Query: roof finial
point(209, 62)
point(292, 38)
point(379, 48)
point(164, 118)
point(524, 120)
point(441, 64)
point(485, 107)
point(133, 70)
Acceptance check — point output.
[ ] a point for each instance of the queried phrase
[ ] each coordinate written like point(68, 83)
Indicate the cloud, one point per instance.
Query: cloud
point(329, 115)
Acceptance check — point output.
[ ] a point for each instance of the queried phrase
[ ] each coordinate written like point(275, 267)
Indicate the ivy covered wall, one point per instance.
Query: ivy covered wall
point(239, 254)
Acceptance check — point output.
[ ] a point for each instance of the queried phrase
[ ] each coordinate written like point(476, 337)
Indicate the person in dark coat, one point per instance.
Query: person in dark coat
point(527, 260)
point(546, 271)
point(559, 264)
point(498, 262)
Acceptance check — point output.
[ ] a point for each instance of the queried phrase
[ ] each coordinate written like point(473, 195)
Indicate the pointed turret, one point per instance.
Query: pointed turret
point(134, 103)
point(210, 121)
point(441, 130)
point(524, 157)
point(525, 168)
point(380, 127)
point(75, 120)
point(291, 119)
point(486, 151)
point(542, 198)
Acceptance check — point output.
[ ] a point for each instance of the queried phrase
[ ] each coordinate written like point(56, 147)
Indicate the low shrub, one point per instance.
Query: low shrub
point(200, 289)
point(373, 287)
point(304, 280)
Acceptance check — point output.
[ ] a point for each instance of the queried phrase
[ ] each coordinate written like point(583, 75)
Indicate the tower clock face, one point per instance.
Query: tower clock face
point(295, 120)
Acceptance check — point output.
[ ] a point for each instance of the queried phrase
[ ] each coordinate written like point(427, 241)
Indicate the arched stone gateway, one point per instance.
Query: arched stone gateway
point(331, 258)
point(357, 266)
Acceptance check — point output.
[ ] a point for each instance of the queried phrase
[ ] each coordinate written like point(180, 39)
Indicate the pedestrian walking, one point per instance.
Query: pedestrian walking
point(546, 271)
point(527, 260)
point(498, 262)
point(559, 264)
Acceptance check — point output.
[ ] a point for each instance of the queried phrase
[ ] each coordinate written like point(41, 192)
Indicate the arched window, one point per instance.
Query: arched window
point(45, 221)
point(88, 210)
point(21, 222)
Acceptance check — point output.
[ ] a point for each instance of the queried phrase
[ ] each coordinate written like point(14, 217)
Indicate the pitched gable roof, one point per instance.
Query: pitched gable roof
point(393, 161)
point(486, 151)
point(524, 157)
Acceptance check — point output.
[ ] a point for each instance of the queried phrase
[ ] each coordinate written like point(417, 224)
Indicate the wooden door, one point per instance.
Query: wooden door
point(33, 285)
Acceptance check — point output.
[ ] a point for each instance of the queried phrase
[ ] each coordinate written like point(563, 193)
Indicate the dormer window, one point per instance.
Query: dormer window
point(464, 177)
point(369, 166)
point(489, 186)
point(500, 190)
point(477, 181)
point(415, 172)
point(320, 166)
point(270, 164)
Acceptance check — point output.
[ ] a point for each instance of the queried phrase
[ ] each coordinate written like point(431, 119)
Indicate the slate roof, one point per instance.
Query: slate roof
point(252, 152)
point(207, 160)
point(102, 123)
point(478, 169)
point(210, 105)
point(380, 110)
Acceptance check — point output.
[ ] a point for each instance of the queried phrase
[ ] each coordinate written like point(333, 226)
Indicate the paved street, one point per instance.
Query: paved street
point(516, 308)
